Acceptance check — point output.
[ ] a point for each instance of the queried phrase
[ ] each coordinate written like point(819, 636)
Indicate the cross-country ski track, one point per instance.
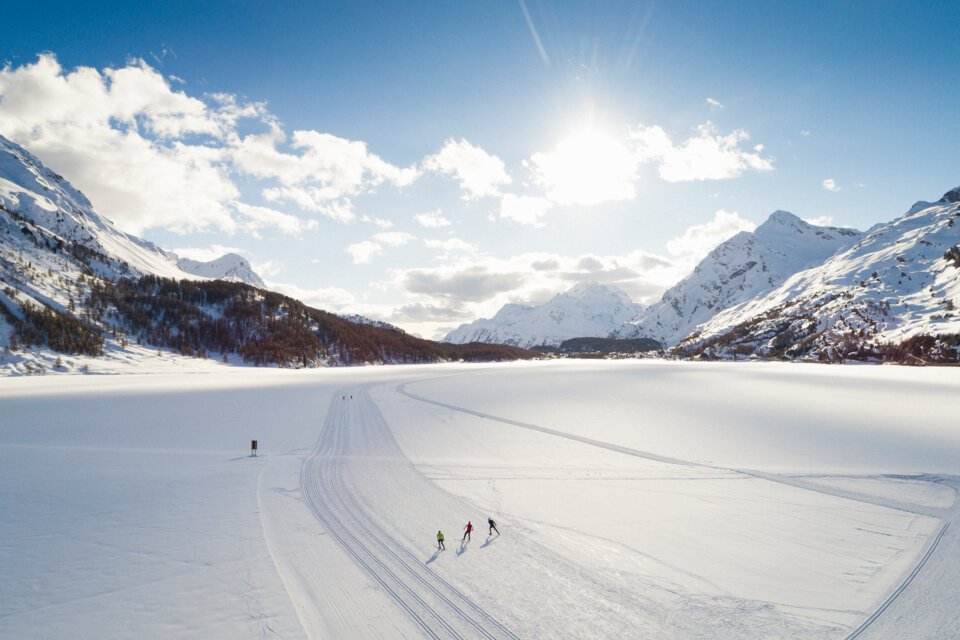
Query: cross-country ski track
point(940, 550)
point(357, 480)
point(357, 476)
point(437, 607)
point(647, 500)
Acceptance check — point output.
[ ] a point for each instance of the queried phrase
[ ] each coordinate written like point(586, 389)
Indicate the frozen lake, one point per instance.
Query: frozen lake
point(635, 499)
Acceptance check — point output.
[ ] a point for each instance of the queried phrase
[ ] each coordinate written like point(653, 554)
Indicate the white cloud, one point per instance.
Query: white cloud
point(479, 173)
point(589, 168)
point(393, 238)
point(256, 218)
point(328, 299)
point(432, 220)
point(473, 285)
point(821, 221)
point(383, 223)
point(697, 241)
point(147, 155)
point(365, 251)
point(450, 246)
point(714, 103)
point(268, 267)
point(321, 175)
point(831, 185)
point(524, 209)
point(709, 155)
point(150, 156)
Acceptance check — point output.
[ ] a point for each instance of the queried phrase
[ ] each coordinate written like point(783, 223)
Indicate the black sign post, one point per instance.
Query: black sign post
point(253, 447)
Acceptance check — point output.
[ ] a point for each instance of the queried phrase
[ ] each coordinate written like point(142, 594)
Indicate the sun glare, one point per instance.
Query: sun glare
point(587, 168)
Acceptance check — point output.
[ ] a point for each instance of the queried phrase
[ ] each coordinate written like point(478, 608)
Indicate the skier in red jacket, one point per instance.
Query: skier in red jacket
point(469, 528)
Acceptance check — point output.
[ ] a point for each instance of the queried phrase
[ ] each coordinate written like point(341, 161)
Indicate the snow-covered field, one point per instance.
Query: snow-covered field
point(636, 499)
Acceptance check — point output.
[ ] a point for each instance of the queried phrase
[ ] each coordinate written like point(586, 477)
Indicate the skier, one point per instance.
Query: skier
point(469, 528)
point(493, 526)
point(440, 541)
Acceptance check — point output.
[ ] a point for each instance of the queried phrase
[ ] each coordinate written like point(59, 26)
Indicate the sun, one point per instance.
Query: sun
point(587, 168)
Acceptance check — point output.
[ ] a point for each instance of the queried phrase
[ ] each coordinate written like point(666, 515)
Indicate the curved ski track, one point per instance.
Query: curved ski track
point(947, 515)
point(866, 624)
point(436, 606)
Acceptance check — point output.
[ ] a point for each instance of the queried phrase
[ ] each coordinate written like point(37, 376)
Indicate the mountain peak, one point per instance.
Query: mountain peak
point(588, 309)
point(782, 217)
point(584, 289)
point(951, 196)
point(229, 266)
point(745, 266)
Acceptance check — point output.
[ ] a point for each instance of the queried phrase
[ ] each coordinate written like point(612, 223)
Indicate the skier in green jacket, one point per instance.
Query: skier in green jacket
point(440, 541)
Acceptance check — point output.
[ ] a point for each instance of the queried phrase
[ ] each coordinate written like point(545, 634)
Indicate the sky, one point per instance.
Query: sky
point(424, 163)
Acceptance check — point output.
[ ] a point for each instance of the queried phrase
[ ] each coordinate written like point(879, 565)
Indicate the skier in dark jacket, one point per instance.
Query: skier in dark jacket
point(493, 526)
point(469, 528)
point(440, 541)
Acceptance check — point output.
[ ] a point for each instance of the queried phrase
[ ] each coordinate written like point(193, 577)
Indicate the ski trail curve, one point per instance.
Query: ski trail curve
point(433, 604)
point(647, 455)
point(949, 516)
point(879, 611)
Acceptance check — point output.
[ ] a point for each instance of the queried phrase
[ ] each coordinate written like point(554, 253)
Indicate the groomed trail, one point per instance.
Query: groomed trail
point(355, 429)
point(906, 608)
point(384, 513)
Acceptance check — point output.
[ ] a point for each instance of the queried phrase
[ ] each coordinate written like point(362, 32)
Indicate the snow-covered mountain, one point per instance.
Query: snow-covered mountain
point(47, 221)
point(44, 214)
point(900, 282)
point(229, 266)
point(744, 267)
point(586, 310)
point(71, 292)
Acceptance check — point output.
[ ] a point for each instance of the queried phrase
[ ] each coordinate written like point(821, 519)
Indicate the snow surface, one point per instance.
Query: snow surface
point(635, 499)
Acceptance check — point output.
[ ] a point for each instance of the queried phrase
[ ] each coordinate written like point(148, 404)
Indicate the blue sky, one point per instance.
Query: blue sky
point(455, 156)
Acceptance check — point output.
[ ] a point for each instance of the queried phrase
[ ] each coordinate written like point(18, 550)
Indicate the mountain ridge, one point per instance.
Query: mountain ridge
point(738, 269)
point(586, 309)
point(72, 284)
point(229, 266)
point(899, 283)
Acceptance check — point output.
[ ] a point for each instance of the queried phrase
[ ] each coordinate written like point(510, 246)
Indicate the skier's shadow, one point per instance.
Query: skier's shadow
point(463, 548)
point(436, 554)
point(487, 542)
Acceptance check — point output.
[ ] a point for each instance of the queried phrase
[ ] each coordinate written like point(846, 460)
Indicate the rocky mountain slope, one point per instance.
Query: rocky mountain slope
point(892, 295)
point(73, 284)
point(740, 269)
point(588, 309)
